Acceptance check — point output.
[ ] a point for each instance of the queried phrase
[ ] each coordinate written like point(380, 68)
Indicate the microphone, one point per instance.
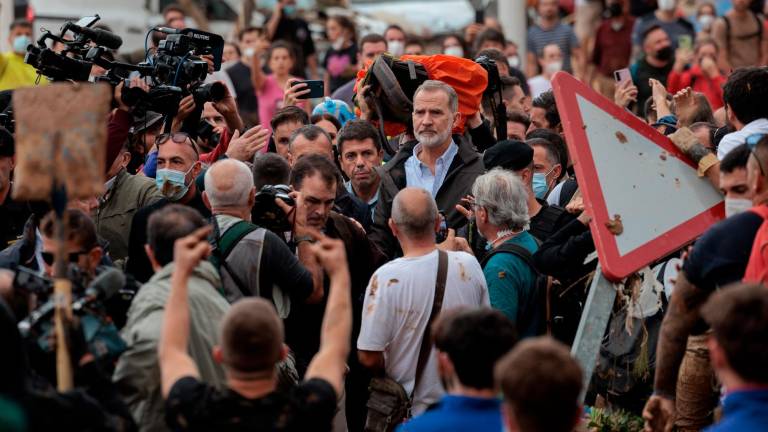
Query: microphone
point(108, 283)
point(99, 36)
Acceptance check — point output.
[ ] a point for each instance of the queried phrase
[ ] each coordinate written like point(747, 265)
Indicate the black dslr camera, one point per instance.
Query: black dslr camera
point(266, 213)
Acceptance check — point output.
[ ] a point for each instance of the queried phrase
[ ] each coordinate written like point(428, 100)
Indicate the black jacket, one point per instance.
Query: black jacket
point(465, 168)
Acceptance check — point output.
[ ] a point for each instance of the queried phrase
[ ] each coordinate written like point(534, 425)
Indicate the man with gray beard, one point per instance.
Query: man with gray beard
point(443, 164)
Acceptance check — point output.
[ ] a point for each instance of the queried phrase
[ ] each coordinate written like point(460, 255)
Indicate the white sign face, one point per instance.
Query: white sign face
point(652, 191)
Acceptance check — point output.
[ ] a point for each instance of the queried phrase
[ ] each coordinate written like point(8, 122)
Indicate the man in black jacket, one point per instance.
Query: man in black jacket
point(443, 164)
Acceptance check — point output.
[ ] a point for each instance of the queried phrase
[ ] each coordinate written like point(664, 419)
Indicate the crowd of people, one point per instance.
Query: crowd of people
point(268, 275)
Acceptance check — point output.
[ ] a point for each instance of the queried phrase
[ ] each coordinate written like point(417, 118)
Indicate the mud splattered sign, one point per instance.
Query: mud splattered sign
point(61, 135)
point(627, 168)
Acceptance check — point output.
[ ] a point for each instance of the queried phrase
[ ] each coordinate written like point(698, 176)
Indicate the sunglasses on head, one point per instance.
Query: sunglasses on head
point(74, 257)
point(178, 138)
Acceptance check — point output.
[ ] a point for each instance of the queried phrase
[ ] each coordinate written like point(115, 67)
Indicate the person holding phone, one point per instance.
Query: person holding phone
point(269, 87)
point(699, 70)
point(613, 47)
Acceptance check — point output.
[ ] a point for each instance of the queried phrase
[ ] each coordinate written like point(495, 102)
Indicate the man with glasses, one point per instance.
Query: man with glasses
point(718, 259)
point(177, 168)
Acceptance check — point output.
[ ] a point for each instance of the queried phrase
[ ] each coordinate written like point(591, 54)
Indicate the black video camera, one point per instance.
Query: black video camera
point(70, 63)
point(266, 213)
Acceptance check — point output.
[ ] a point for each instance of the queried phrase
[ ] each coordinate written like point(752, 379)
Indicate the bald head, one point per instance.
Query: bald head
point(251, 336)
point(228, 184)
point(414, 212)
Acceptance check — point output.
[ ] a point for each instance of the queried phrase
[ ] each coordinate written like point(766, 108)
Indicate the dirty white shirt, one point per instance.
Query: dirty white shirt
point(397, 305)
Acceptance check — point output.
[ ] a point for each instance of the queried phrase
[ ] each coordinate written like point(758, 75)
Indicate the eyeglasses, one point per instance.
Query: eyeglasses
point(74, 257)
point(752, 142)
point(178, 138)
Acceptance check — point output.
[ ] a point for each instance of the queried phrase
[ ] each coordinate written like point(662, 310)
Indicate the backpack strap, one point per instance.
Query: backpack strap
point(437, 304)
point(225, 245)
point(514, 249)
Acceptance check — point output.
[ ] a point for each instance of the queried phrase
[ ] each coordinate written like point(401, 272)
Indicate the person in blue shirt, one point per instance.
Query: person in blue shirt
point(501, 212)
point(739, 320)
point(468, 343)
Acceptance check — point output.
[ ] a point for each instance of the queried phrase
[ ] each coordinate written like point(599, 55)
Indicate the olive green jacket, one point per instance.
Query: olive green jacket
point(137, 374)
point(116, 209)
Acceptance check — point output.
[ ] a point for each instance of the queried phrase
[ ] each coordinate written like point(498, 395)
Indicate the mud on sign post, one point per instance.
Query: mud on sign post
point(645, 197)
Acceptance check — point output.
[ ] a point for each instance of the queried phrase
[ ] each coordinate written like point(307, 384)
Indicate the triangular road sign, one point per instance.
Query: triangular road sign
point(626, 168)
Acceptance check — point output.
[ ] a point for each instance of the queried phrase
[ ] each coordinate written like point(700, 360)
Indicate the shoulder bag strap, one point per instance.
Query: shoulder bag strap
point(437, 304)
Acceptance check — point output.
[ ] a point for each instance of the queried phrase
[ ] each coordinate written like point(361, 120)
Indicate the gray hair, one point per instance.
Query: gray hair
point(416, 217)
point(504, 197)
point(434, 85)
point(310, 132)
point(228, 183)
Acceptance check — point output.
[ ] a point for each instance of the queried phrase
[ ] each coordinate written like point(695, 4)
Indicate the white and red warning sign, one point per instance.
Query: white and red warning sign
point(644, 195)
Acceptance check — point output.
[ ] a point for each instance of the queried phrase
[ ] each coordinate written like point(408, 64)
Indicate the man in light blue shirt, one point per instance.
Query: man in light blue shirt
point(442, 164)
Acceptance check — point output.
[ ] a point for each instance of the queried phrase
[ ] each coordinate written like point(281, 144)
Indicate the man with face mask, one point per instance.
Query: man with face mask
point(517, 156)
point(14, 73)
point(395, 37)
point(551, 62)
point(482, 336)
point(550, 30)
point(665, 17)
point(656, 63)
point(177, 168)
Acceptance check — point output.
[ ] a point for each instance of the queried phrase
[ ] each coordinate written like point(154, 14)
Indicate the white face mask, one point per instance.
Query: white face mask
point(705, 21)
point(555, 66)
point(734, 206)
point(249, 52)
point(666, 5)
point(338, 44)
point(395, 47)
point(455, 51)
point(514, 61)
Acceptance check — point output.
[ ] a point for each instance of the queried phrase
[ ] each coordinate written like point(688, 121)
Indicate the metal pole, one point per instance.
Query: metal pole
point(594, 320)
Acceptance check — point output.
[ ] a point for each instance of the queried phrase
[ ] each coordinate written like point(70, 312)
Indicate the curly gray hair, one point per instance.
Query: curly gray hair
point(505, 198)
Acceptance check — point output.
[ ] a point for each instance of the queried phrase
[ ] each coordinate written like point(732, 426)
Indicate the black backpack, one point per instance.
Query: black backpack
point(542, 285)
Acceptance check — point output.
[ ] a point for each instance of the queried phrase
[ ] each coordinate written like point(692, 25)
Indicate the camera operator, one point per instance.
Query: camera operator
point(92, 405)
point(254, 261)
point(313, 139)
point(315, 180)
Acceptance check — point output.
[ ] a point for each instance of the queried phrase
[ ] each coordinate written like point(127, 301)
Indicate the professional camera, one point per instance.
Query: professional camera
point(266, 213)
point(207, 138)
point(97, 304)
point(70, 63)
point(495, 89)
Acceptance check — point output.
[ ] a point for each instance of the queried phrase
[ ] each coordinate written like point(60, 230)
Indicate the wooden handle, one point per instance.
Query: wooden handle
point(62, 292)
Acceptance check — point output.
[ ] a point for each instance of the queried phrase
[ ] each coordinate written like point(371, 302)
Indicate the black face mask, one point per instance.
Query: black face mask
point(614, 10)
point(665, 54)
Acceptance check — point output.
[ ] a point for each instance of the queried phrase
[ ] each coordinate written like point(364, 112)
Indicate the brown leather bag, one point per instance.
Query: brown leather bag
point(389, 404)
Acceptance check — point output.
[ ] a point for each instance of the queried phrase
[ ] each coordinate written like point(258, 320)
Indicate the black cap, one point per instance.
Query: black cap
point(508, 154)
point(145, 122)
point(7, 146)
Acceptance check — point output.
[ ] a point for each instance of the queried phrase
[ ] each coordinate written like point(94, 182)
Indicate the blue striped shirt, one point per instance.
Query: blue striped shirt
point(561, 35)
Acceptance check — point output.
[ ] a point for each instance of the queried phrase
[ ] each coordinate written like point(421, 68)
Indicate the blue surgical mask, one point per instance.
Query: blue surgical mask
point(172, 183)
point(20, 44)
point(289, 10)
point(540, 185)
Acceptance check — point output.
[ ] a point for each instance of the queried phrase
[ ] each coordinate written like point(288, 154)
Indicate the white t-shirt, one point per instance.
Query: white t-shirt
point(539, 85)
point(398, 302)
point(735, 139)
